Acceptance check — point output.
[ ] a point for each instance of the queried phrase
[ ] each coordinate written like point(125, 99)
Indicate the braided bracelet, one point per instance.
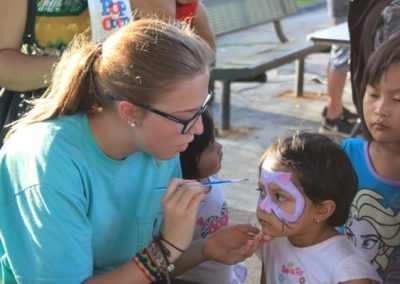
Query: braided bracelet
point(146, 265)
point(171, 244)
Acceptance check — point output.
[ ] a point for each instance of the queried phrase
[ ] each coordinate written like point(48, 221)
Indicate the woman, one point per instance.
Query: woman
point(80, 195)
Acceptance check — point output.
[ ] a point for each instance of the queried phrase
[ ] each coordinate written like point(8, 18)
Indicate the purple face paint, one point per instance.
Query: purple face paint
point(283, 180)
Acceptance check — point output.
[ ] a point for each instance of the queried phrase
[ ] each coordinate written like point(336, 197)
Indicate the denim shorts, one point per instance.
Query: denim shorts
point(339, 58)
point(340, 55)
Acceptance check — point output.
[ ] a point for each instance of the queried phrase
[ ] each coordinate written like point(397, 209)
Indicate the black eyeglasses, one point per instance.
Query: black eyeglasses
point(187, 123)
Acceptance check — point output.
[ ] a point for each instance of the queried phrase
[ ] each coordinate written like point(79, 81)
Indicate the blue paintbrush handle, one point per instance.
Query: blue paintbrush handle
point(208, 183)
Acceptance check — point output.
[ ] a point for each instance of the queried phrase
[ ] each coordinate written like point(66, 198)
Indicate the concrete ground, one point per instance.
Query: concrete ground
point(260, 112)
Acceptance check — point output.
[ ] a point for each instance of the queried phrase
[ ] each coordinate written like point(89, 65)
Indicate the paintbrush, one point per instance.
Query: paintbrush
point(220, 182)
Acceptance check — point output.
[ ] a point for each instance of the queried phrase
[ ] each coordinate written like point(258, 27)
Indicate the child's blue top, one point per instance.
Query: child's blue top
point(374, 222)
point(67, 210)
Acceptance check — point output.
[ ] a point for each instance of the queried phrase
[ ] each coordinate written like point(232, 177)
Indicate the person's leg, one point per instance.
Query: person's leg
point(336, 119)
point(336, 82)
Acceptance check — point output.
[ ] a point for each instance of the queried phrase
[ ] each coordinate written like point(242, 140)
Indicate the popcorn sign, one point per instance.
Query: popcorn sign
point(107, 16)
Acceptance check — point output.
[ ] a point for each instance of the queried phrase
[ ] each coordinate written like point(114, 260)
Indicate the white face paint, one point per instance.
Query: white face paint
point(284, 181)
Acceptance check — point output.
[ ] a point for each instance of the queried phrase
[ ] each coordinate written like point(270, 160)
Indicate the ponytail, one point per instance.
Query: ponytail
point(71, 88)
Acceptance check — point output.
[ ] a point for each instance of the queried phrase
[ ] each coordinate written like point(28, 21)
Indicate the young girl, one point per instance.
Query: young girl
point(202, 161)
point(306, 187)
point(374, 223)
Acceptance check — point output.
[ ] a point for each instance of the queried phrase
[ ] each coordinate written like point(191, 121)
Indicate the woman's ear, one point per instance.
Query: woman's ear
point(324, 210)
point(128, 112)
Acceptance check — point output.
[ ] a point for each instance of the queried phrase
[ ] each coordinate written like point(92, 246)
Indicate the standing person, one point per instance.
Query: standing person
point(201, 161)
point(194, 13)
point(370, 23)
point(302, 199)
point(78, 171)
point(337, 120)
point(374, 222)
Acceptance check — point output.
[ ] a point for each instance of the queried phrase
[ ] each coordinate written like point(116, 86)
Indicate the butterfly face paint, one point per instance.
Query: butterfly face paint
point(283, 180)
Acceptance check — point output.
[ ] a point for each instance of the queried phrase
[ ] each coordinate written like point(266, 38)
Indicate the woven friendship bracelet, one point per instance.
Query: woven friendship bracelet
point(145, 264)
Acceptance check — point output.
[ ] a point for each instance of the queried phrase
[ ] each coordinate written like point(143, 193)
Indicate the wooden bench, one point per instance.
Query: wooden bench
point(228, 16)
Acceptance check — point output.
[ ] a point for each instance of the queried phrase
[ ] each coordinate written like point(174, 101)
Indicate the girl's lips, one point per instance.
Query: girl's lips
point(264, 223)
point(379, 126)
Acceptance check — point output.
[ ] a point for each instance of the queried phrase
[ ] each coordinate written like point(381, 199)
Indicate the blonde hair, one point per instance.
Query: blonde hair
point(367, 206)
point(139, 63)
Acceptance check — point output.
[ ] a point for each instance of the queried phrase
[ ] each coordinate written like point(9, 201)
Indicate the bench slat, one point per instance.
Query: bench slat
point(227, 16)
point(252, 65)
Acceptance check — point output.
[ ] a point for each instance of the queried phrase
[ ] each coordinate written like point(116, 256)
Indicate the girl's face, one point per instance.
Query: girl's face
point(283, 208)
point(210, 160)
point(163, 137)
point(381, 107)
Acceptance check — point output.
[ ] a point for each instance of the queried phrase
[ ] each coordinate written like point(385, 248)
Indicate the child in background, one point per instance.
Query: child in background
point(306, 185)
point(374, 222)
point(202, 161)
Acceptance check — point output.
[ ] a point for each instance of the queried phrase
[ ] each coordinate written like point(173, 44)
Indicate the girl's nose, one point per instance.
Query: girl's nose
point(263, 206)
point(219, 146)
point(382, 109)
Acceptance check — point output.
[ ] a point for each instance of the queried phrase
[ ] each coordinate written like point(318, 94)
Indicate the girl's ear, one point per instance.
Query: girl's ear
point(324, 210)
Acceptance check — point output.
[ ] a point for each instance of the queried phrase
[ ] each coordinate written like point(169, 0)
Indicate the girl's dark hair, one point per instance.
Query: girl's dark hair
point(191, 157)
point(387, 55)
point(320, 167)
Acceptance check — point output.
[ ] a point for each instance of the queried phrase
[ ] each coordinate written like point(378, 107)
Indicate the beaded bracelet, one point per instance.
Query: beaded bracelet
point(160, 258)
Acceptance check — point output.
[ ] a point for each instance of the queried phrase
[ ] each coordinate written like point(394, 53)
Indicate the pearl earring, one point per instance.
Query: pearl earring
point(316, 219)
point(131, 124)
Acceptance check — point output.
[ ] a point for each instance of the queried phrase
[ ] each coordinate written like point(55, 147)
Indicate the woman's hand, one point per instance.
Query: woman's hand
point(180, 202)
point(234, 243)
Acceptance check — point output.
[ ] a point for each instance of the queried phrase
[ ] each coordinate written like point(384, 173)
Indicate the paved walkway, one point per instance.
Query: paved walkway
point(261, 112)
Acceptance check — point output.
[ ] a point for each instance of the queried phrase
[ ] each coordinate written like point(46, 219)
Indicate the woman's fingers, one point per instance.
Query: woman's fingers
point(180, 203)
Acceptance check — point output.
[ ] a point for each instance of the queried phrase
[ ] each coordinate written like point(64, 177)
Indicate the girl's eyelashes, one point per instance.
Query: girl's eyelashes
point(262, 191)
point(279, 197)
point(372, 94)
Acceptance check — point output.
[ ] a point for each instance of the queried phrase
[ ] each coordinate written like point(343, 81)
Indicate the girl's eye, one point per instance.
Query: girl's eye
point(279, 197)
point(396, 99)
point(373, 95)
point(262, 192)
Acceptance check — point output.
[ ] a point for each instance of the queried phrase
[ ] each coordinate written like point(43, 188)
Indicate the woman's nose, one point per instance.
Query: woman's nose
point(198, 127)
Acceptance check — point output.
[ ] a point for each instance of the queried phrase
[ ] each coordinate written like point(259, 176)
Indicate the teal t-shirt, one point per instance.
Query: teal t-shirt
point(69, 211)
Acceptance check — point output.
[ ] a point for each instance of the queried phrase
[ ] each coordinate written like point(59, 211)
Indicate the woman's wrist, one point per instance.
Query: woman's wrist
point(156, 260)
